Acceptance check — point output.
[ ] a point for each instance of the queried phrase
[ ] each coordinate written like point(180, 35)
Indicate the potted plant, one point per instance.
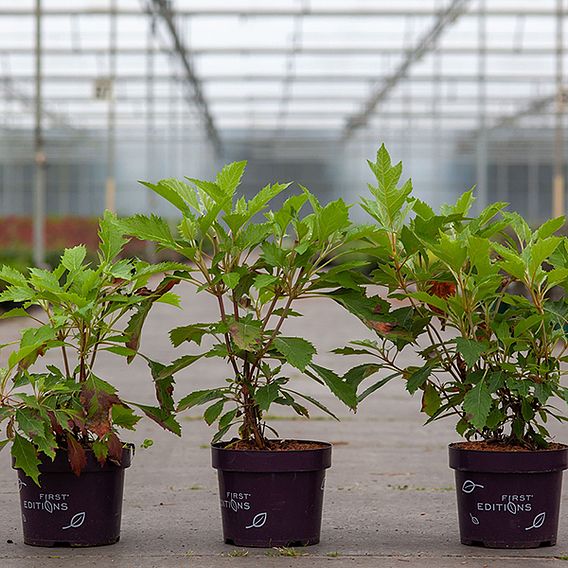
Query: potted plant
point(62, 419)
point(474, 295)
point(257, 270)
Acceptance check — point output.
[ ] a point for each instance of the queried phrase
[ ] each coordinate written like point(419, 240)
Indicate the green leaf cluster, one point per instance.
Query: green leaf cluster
point(481, 298)
point(256, 260)
point(78, 310)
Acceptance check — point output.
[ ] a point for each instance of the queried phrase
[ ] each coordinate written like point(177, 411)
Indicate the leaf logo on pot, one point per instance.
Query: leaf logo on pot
point(258, 521)
point(538, 522)
point(469, 486)
point(474, 520)
point(21, 484)
point(512, 508)
point(48, 506)
point(76, 521)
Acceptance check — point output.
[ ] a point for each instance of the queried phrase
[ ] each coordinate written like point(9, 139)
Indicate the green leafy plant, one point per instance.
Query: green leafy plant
point(78, 311)
point(256, 267)
point(475, 296)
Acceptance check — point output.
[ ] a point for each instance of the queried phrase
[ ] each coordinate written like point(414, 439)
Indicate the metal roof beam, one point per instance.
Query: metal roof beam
point(329, 98)
point(319, 78)
point(163, 9)
point(322, 113)
point(425, 44)
point(323, 51)
point(536, 106)
point(321, 12)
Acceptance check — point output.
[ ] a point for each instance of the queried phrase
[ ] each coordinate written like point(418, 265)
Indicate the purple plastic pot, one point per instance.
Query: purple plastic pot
point(271, 498)
point(73, 511)
point(508, 499)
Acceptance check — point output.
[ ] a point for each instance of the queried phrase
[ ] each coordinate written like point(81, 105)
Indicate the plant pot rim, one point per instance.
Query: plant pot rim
point(532, 461)
point(60, 464)
point(271, 460)
point(458, 445)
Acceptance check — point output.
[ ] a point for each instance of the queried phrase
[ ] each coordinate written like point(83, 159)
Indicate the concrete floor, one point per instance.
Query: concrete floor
point(389, 495)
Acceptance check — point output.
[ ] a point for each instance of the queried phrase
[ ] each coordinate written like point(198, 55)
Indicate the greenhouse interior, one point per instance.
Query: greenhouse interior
point(97, 96)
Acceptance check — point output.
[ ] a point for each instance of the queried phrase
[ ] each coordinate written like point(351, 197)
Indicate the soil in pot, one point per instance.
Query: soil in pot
point(508, 497)
point(271, 497)
point(69, 510)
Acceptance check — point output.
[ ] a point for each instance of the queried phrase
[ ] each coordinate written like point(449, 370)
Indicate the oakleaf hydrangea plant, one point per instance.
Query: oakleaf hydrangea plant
point(78, 310)
point(258, 264)
point(483, 300)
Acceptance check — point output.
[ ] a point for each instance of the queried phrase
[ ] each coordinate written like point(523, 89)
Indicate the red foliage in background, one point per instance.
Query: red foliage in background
point(61, 232)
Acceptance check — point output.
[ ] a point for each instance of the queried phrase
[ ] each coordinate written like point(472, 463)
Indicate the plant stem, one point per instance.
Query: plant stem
point(226, 335)
point(66, 361)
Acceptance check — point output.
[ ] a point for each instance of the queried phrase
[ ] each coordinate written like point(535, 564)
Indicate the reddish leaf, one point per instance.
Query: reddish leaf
point(76, 455)
point(462, 367)
point(114, 447)
point(143, 291)
point(379, 308)
point(77, 423)
point(55, 426)
point(10, 429)
point(442, 289)
point(381, 326)
point(98, 404)
point(167, 285)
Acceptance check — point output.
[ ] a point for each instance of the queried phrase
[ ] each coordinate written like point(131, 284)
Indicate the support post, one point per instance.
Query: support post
point(40, 181)
point(150, 104)
point(436, 132)
point(150, 124)
point(110, 189)
point(481, 148)
point(558, 191)
point(164, 9)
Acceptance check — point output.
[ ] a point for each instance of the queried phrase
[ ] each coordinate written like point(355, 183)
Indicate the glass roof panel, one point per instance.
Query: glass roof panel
point(283, 61)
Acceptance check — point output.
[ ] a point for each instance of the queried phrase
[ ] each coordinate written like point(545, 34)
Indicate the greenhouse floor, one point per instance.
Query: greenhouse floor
point(389, 495)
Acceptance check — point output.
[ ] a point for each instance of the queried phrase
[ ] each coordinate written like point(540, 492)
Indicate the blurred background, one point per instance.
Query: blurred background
point(95, 95)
